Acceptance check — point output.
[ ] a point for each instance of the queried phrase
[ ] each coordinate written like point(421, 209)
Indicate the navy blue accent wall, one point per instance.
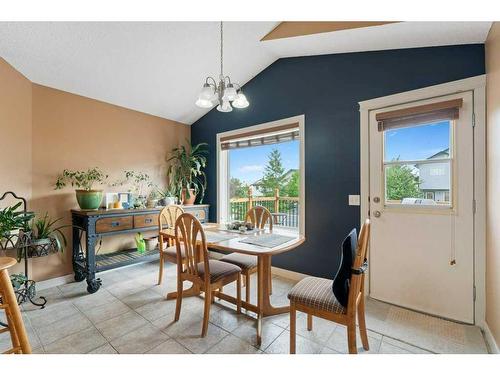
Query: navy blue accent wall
point(327, 89)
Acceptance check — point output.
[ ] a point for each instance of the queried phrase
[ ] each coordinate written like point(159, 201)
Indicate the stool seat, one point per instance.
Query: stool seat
point(6, 262)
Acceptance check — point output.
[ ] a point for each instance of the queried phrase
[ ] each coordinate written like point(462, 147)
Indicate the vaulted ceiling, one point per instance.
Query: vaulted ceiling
point(159, 67)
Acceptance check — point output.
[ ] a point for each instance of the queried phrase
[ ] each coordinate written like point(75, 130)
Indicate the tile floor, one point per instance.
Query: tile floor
point(129, 315)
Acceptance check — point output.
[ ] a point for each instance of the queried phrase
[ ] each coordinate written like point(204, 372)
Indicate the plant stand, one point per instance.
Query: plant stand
point(22, 243)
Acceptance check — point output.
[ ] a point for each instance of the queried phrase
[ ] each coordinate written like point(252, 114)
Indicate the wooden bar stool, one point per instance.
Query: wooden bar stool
point(8, 302)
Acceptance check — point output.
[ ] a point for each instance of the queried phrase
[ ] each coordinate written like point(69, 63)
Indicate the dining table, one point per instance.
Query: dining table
point(264, 245)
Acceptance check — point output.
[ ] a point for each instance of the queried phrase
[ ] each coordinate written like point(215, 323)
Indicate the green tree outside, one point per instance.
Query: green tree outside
point(273, 174)
point(402, 183)
point(291, 188)
point(237, 188)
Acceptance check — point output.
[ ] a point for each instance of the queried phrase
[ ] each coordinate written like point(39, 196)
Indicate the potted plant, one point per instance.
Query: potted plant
point(87, 197)
point(167, 195)
point(14, 226)
point(139, 181)
point(186, 166)
point(47, 237)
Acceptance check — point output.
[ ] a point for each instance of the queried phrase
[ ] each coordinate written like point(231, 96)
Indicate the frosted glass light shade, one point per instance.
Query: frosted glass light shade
point(204, 103)
point(229, 92)
point(207, 92)
point(225, 107)
point(240, 101)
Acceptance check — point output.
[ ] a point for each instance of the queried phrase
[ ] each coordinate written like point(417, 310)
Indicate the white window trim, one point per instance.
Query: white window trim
point(223, 166)
point(478, 87)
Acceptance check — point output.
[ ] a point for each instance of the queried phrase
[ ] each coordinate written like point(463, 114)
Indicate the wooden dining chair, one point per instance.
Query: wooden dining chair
point(8, 303)
point(259, 216)
point(207, 274)
point(168, 252)
point(314, 296)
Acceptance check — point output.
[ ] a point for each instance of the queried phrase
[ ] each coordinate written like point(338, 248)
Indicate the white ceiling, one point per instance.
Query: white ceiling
point(159, 67)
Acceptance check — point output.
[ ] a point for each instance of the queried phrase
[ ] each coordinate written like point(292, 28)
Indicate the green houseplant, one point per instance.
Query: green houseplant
point(87, 197)
point(167, 194)
point(47, 236)
point(14, 226)
point(186, 167)
point(139, 182)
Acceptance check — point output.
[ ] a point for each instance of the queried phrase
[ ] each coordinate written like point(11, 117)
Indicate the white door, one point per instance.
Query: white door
point(421, 206)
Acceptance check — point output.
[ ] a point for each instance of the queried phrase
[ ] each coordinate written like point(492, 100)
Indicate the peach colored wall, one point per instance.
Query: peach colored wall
point(44, 131)
point(493, 181)
point(15, 131)
point(70, 131)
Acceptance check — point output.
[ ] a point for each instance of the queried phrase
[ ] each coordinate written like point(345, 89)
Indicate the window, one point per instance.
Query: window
point(417, 164)
point(263, 165)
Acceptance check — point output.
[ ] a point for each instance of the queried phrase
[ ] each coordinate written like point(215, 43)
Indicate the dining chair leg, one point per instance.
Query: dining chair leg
point(238, 294)
point(362, 323)
point(292, 328)
point(221, 289)
point(178, 303)
point(247, 287)
point(351, 337)
point(206, 312)
point(270, 278)
point(160, 273)
point(244, 279)
point(309, 322)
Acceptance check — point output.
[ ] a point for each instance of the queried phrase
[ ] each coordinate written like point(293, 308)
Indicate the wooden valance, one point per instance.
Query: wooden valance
point(400, 118)
point(285, 133)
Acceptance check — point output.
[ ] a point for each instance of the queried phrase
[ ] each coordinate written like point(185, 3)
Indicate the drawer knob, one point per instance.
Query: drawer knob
point(115, 223)
point(148, 220)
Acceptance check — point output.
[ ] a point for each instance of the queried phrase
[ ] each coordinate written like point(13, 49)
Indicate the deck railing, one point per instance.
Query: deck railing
point(286, 209)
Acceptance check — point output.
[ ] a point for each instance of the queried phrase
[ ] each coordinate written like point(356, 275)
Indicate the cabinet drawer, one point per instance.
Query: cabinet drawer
point(112, 224)
point(198, 213)
point(144, 221)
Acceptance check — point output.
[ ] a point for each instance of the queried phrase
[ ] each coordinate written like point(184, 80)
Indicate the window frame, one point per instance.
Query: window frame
point(223, 210)
point(451, 160)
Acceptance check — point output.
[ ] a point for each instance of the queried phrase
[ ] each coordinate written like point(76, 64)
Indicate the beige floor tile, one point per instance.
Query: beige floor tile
point(169, 347)
point(338, 341)
point(386, 348)
point(62, 328)
point(74, 290)
point(321, 332)
point(403, 345)
point(248, 332)
point(126, 288)
point(303, 346)
point(38, 350)
point(78, 343)
point(5, 339)
point(141, 298)
point(120, 325)
point(104, 349)
point(327, 350)
point(227, 319)
point(107, 311)
point(51, 314)
point(155, 310)
point(233, 345)
point(91, 301)
point(140, 340)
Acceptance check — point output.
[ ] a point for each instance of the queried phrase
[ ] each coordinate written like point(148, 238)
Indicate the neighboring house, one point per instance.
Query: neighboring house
point(435, 178)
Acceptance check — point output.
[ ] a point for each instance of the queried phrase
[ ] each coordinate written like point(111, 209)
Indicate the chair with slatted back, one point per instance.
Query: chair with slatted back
point(259, 216)
point(207, 274)
point(314, 296)
point(8, 303)
point(166, 219)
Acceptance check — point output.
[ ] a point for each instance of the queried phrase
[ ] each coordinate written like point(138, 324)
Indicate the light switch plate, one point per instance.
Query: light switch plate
point(354, 200)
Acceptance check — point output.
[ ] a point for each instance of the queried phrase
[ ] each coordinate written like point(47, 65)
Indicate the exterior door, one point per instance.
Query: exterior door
point(422, 209)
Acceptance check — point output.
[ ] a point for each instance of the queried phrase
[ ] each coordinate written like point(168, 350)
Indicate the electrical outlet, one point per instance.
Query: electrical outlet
point(354, 200)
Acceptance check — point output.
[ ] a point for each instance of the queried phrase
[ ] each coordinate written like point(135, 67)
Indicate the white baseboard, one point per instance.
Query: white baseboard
point(290, 275)
point(490, 340)
point(56, 281)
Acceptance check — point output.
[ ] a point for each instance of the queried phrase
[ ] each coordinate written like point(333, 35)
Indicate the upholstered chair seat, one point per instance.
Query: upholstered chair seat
point(245, 262)
point(218, 270)
point(316, 293)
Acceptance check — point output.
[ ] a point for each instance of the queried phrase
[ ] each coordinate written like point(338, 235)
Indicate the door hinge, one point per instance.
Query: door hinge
point(473, 119)
point(473, 206)
point(474, 293)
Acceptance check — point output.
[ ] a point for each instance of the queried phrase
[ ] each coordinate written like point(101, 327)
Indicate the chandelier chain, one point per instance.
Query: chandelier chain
point(221, 48)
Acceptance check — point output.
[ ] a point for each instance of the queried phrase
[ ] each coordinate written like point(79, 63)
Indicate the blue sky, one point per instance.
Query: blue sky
point(247, 164)
point(418, 142)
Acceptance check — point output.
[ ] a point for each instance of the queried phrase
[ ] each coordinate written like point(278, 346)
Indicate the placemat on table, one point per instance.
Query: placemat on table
point(267, 240)
point(213, 237)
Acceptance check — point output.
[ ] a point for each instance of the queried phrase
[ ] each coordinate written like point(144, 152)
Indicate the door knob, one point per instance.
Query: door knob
point(376, 199)
point(376, 213)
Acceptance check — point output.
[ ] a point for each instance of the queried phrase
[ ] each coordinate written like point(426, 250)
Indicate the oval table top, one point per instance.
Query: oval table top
point(235, 245)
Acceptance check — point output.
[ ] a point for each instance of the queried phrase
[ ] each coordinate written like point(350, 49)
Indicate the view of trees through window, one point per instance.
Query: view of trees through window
point(268, 176)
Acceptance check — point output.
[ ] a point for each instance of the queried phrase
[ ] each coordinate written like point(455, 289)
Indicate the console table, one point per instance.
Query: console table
point(93, 224)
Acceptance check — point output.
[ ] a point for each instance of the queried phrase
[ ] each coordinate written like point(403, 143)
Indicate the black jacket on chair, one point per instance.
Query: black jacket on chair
point(341, 280)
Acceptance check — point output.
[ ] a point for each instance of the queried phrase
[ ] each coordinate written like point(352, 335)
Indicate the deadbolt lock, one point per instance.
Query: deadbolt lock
point(376, 199)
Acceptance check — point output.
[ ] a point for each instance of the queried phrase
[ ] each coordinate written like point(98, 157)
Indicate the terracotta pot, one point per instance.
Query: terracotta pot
point(188, 201)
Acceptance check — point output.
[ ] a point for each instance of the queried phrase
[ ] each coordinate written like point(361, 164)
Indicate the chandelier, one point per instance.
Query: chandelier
point(225, 94)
